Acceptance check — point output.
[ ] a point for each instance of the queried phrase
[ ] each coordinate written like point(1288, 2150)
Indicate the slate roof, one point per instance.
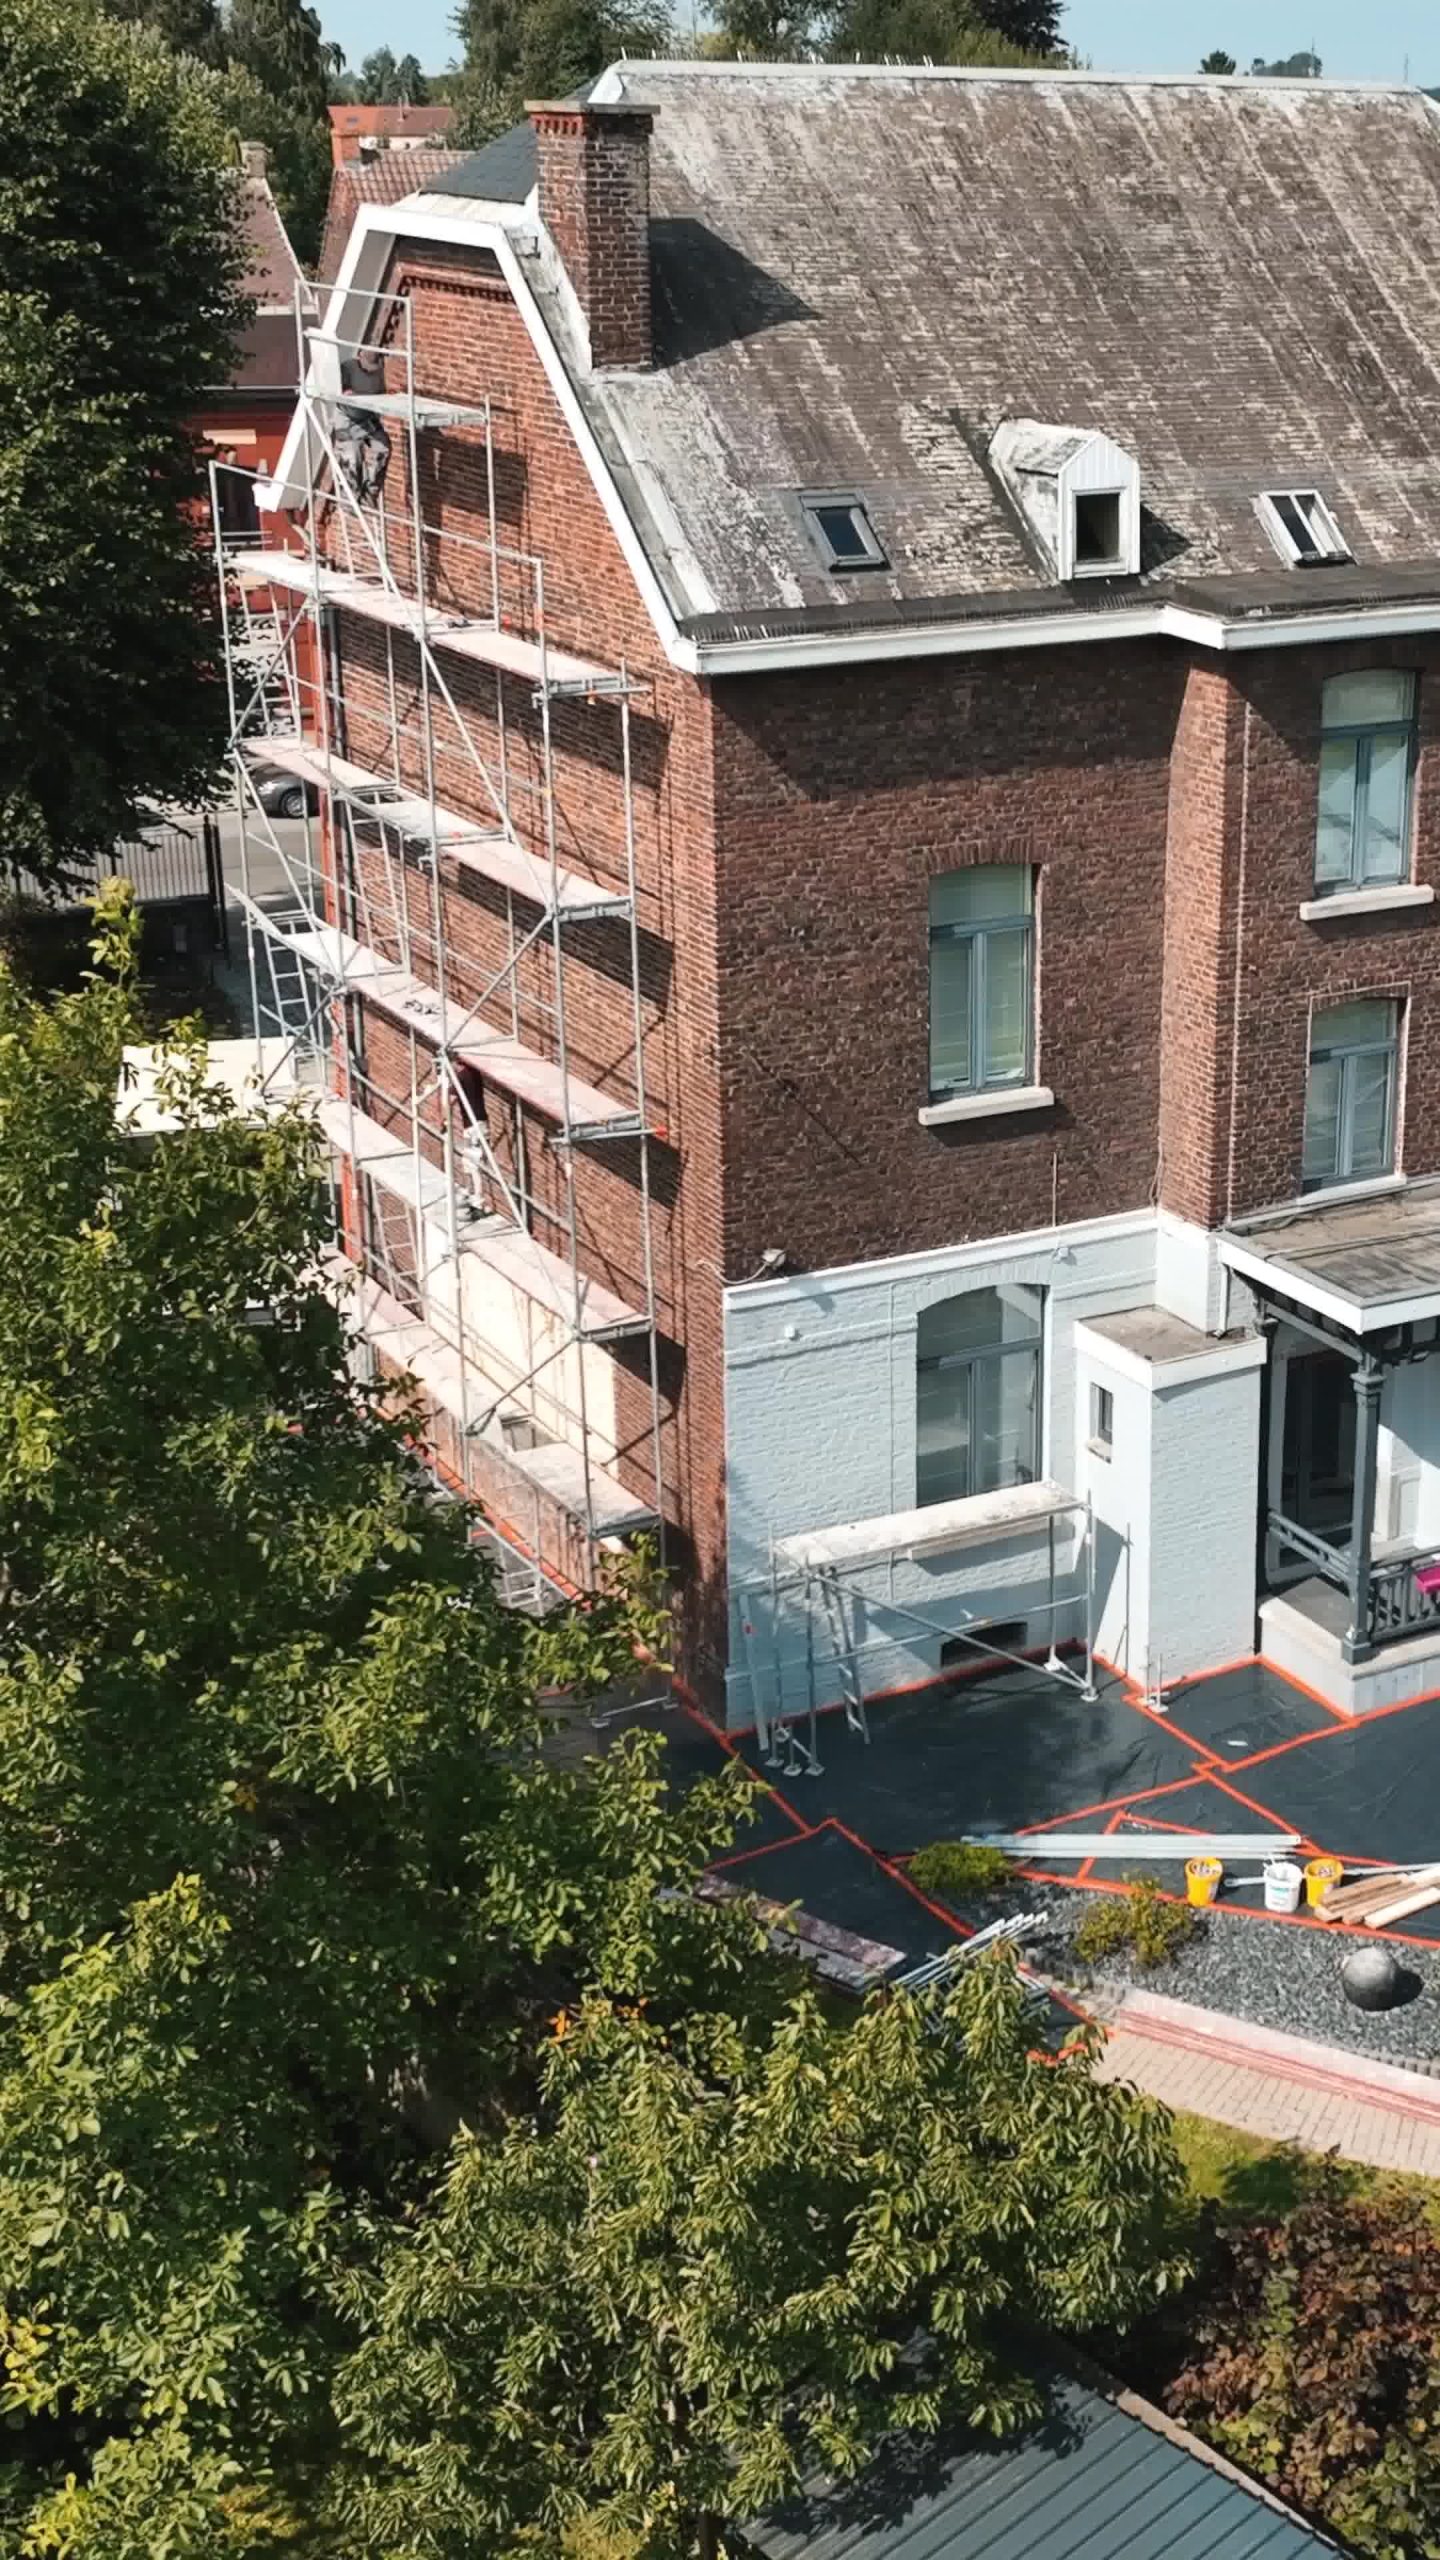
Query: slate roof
point(269, 353)
point(501, 172)
point(1102, 2478)
point(381, 179)
point(860, 272)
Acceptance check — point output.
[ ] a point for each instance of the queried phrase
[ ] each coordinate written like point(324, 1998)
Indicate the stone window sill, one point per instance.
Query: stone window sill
point(985, 1106)
point(1366, 902)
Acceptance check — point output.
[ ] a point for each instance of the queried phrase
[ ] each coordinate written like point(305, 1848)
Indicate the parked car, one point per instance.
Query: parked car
point(284, 795)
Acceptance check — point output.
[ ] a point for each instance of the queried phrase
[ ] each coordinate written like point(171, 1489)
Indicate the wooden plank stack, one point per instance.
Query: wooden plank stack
point(1378, 1901)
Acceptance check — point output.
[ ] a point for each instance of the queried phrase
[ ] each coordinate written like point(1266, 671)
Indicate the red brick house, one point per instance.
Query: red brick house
point(245, 420)
point(874, 955)
point(379, 177)
point(358, 132)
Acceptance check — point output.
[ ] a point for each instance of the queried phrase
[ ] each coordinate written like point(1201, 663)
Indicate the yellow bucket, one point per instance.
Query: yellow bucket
point(1202, 1879)
point(1320, 1874)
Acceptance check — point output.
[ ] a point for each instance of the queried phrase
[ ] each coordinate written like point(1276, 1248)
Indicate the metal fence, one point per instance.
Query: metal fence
point(171, 866)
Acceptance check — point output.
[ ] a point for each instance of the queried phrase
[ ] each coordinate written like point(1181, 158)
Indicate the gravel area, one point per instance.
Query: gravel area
point(1245, 1967)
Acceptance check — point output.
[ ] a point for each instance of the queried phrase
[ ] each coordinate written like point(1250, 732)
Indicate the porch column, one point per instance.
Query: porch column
point(1367, 1382)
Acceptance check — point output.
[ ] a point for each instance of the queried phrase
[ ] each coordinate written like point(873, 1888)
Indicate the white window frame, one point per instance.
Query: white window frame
point(1329, 543)
point(1349, 1053)
point(1363, 733)
point(1102, 1419)
point(977, 936)
point(985, 1355)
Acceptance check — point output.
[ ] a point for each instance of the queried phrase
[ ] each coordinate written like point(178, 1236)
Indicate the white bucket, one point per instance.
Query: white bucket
point(1283, 1882)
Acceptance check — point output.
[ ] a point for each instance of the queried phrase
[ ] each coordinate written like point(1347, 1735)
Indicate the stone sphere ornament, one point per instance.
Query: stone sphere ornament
point(1370, 1978)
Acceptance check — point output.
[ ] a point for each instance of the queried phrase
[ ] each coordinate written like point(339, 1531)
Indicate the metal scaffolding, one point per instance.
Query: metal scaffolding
point(438, 1207)
point(799, 1622)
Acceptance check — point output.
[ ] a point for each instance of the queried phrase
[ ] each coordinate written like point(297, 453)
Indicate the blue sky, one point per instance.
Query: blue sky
point(1356, 43)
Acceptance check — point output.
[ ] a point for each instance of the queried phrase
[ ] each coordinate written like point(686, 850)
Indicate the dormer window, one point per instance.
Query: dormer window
point(1077, 493)
point(1302, 528)
point(841, 531)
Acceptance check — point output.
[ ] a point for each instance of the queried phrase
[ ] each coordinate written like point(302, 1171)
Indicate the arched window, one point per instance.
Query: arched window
point(977, 1394)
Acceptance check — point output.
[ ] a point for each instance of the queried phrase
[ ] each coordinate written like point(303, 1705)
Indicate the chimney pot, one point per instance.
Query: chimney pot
point(593, 166)
point(255, 159)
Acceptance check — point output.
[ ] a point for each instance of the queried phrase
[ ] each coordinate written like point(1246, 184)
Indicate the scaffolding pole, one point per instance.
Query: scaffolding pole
point(364, 935)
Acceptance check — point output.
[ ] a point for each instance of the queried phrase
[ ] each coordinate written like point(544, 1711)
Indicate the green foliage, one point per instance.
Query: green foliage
point(118, 309)
point(948, 31)
point(1141, 1921)
point(1293, 66)
point(384, 82)
point(299, 149)
point(1033, 25)
point(291, 1878)
point(706, 2268)
point(280, 44)
point(186, 26)
point(959, 1869)
point(520, 49)
point(1219, 63)
point(1306, 2352)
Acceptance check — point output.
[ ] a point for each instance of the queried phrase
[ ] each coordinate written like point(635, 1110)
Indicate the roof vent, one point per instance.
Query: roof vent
point(1077, 494)
point(1302, 528)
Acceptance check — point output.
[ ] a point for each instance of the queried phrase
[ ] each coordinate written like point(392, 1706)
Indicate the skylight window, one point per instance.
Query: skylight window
point(1302, 528)
point(842, 532)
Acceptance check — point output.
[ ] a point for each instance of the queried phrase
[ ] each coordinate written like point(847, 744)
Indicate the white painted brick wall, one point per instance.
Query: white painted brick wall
point(1204, 1475)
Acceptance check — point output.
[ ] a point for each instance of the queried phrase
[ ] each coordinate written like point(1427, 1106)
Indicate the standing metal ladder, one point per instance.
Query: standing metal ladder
point(842, 1645)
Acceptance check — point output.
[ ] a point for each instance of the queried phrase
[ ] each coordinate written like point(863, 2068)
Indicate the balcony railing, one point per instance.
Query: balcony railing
point(1402, 1595)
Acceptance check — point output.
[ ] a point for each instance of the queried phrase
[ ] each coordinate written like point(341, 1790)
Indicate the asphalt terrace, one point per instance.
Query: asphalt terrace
point(1240, 1750)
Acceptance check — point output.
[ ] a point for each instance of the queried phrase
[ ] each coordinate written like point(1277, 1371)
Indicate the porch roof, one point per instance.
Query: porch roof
point(1366, 1263)
point(932, 1531)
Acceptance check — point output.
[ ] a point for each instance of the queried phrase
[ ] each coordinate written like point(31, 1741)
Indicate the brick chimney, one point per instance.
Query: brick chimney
point(594, 184)
point(255, 160)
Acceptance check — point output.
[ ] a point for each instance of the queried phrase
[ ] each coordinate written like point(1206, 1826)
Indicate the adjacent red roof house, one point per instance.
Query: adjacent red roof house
point(397, 128)
point(377, 177)
point(244, 421)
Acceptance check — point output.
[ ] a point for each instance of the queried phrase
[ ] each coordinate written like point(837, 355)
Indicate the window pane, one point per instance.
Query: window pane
point(1367, 700)
point(1005, 1055)
point(1294, 522)
point(1352, 1026)
point(972, 1323)
point(942, 1434)
point(988, 889)
point(1384, 853)
point(1004, 1442)
point(842, 532)
point(1322, 1121)
point(1369, 1115)
point(1334, 835)
point(951, 969)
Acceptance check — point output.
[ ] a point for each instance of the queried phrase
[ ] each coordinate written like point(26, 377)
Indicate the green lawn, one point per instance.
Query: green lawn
point(1252, 2176)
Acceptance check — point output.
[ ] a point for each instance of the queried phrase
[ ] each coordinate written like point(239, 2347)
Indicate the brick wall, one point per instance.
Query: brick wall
point(593, 170)
point(838, 797)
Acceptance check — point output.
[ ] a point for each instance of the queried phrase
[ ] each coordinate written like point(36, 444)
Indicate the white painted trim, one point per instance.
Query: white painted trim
point(1065, 629)
point(985, 1106)
point(1034, 1244)
point(377, 229)
point(1367, 902)
point(609, 89)
point(1221, 1360)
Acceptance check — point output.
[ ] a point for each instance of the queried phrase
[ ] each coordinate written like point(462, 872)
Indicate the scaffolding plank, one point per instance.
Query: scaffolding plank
point(466, 636)
point(555, 1469)
point(515, 1255)
point(1014, 1510)
point(478, 847)
point(497, 1055)
point(400, 404)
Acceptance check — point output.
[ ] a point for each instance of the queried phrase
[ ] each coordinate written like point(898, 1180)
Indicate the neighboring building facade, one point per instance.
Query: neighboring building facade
point(908, 1047)
point(358, 133)
point(377, 177)
point(244, 422)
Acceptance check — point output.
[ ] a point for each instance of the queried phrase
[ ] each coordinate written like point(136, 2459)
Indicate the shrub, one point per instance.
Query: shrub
point(1141, 1919)
point(1306, 2352)
point(959, 1868)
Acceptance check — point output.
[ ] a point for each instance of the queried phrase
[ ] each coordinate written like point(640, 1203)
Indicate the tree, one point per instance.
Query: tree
point(290, 1870)
point(945, 31)
point(519, 49)
point(119, 306)
point(384, 82)
point(186, 26)
point(280, 43)
point(713, 2265)
point(1307, 2353)
point(299, 151)
point(1033, 25)
point(1222, 64)
point(1296, 66)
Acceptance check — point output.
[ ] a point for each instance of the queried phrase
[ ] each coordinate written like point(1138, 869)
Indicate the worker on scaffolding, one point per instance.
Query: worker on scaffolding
point(362, 439)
